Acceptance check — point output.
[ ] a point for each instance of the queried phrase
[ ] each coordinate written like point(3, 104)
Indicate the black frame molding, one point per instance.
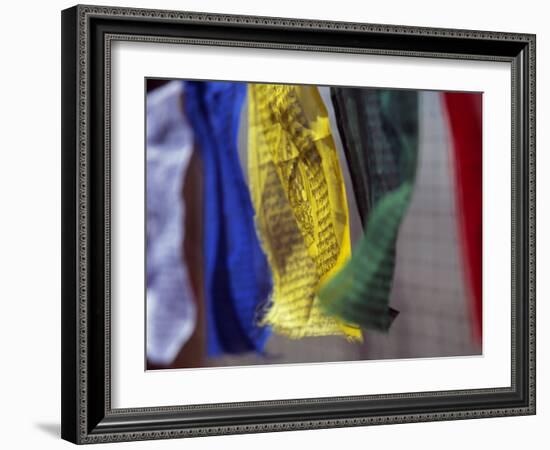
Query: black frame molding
point(87, 33)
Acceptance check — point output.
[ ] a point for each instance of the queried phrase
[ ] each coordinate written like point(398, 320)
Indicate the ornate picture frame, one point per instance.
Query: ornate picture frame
point(88, 33)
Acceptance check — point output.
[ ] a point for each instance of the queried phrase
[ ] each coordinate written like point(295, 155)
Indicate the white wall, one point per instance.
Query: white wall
point(30, 222)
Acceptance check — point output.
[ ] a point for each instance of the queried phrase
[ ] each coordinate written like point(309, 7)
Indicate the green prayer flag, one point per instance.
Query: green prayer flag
point(379, 130)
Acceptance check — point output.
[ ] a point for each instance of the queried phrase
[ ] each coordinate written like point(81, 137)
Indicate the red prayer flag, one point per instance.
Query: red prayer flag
point(464, 114)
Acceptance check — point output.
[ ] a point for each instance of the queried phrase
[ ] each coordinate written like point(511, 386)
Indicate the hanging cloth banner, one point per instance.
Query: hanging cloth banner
point(464, 114)
point(237, 276)
point(171, 310)
point(300, 201)
point(379, 130)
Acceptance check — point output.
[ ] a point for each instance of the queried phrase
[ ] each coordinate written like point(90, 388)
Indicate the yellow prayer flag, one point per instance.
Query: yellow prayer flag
point(300, 201)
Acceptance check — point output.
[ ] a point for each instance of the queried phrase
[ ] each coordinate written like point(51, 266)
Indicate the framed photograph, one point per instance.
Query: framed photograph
point(278, 224)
